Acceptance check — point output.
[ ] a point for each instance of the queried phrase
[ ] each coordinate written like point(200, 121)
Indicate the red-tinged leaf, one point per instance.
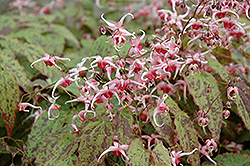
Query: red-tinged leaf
point(166, 131)
point(8, 61)
point(124, 125)
point(218, 68)
point(188, 137)
point(39, 131)
point(96, 138)
point(230, 159)
point(34, 53)
point(59, 149)
point(197, 85)
point(161, 154)
point(9, 97)
point(243, 103)
point(137, 154)
point(49, 142)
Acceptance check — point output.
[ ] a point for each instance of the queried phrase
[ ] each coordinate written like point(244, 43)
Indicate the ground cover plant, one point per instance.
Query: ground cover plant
point(125, 83)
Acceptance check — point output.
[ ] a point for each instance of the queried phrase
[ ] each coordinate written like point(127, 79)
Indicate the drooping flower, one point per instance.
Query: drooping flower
point(232, 93)
point(22, 107)
point(176, 156)
point(49, 60)
point(117, 149)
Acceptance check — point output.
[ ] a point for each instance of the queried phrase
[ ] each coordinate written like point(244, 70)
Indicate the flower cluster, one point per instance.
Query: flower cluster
point(149, 73)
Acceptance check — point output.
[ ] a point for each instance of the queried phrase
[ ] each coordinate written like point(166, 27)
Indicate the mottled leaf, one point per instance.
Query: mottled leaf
point(49, 142)
point(7, 61)
point(9, 43)
point(166, 131)
point(96, 138)
point(218, 68)
point(57, 42)
point(230, 159)
point(9, 98)
point(7, 24)
point(161, 154)
point(124, 125)
point(39, 131)
point(63, 31)
point(188, 137)
point(137, 154)
point(39, 40)
point(243, 103)
point(61, 147)
point(100, 46)
point(34, 53)
point(197, 85)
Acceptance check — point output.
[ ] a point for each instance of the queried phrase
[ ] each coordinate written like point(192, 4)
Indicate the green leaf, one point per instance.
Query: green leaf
point(9, 98)
point(39, 40)
point(230, 159)
point(7, 24)
point(197, 85)
point(137, 154)
point(218, 68)
point(100, 47)
point(124, 125)
point(243, 103)
point(63, 31)
point(34, 53)
point(160, 153)
point(62, 146)
point(49, 142)
point(11, 44)
point(166, 131)
point(57, 42)
point(96, 138)
point(9, 62)
point(188, 137)
point(39, 131)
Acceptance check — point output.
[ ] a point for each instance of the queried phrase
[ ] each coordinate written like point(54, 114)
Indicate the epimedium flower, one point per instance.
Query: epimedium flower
point(49, 60)
point(117, 149)
point(22, 107)
point(64, 82)
point(136, 46)
point(53, 107)
point(176, 156)
point(118, 31)
point(232, 92)
point(161, 108)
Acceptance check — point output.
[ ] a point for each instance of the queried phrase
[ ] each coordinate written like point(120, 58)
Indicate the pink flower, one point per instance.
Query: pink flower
point(118, 31)
point(160, 109)
point(49, 60)
point(53, 107)
point(64, 82)
point(22, 106)
point(232, 93)
point(117, 149)
point(176, 156)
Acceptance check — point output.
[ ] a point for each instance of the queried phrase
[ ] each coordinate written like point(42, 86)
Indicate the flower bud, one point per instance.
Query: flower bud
point(102, 30)
point(226, 114)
